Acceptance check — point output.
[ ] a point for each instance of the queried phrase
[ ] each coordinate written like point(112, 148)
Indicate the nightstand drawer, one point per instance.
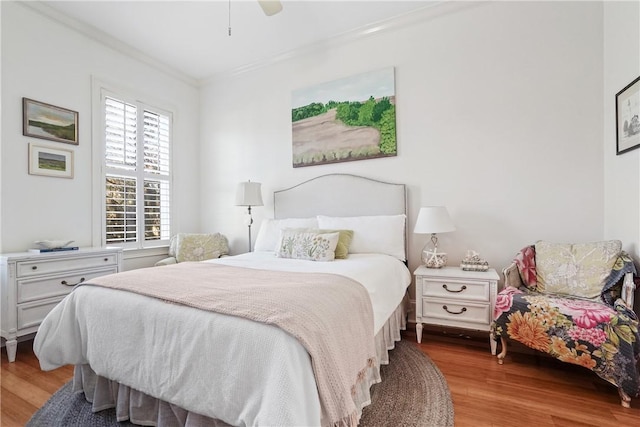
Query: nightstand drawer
point(32, 268)
point(52, 286)
point(454, 311)
point(457, 289)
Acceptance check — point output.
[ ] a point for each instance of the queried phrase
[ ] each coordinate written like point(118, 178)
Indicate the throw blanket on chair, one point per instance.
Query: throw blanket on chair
point(315, 308)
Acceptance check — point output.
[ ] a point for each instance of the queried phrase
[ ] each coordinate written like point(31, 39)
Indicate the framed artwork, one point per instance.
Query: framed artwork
point(353, 118)
point(50, 161)
point(40, 120)
point(628, 117)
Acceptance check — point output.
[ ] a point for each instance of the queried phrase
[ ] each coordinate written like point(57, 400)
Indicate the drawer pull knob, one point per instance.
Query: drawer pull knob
point(454, 312)
point(449, 290)
point(35, 267)
point(64, 282)
point(106, 259)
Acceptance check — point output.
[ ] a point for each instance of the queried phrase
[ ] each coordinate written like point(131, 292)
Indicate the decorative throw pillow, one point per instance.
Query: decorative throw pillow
point(307, 245)
point(526, 262)
point(575, 269)
point(344, 241)
point(199, 247)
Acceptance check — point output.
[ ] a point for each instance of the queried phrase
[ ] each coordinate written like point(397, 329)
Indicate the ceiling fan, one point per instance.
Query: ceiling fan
point(270, 7)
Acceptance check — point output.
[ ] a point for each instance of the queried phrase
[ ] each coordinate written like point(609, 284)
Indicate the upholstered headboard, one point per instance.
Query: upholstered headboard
point(340, 195)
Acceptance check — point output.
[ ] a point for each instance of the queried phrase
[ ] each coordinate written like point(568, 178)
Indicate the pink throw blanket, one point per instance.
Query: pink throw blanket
point(330, 315)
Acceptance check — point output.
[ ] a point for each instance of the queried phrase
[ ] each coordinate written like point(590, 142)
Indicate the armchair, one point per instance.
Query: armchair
point(195, 247)
point(575, 303)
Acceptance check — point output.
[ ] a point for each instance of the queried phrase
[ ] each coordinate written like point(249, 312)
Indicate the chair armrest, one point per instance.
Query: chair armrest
point(628, 290)
point(166, 261)
point(512, 276)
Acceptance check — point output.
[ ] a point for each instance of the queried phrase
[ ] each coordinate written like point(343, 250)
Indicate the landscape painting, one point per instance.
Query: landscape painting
point(50, 161)
point(353, 118)
point(46, 121)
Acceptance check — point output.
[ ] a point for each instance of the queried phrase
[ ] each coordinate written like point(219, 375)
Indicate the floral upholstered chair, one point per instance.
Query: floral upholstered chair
point(195, 247)
point(575, 303)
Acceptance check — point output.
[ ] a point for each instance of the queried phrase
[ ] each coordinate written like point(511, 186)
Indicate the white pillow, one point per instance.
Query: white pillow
point(381, 234)
point(270, 229)
point(307, 245)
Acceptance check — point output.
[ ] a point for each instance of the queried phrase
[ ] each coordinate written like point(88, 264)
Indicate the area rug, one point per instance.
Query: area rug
point(413, 392)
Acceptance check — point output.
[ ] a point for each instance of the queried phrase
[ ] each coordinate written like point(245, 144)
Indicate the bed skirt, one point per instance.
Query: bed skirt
point(145, 410)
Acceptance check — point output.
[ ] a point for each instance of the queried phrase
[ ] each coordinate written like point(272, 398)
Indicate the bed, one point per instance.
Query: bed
point(167, 363)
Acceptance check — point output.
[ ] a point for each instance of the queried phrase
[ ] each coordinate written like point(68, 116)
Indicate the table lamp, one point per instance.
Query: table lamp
point(433, 220)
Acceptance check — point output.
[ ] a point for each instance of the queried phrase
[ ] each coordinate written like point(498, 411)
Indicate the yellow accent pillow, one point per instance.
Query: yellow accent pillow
point(344, 241)
point(575, 269)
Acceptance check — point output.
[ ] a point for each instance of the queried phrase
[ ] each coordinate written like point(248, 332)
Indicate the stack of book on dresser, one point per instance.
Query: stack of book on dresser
point(46, 250)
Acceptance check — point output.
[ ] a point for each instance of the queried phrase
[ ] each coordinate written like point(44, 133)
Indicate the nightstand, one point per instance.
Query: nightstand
point(450, 296)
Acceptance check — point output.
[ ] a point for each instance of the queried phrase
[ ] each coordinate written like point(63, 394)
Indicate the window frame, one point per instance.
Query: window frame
point(100, 91)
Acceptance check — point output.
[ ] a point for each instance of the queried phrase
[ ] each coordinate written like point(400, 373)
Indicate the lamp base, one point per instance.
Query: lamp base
point(433, 259)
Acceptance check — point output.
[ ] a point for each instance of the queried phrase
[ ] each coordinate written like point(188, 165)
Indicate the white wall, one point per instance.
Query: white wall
point(622, 173)
point(499, 117)
point(49, 62)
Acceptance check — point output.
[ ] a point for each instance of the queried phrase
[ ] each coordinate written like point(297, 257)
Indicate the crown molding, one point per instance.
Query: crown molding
point(107, 40)
point(429, 12)
point(433, 10)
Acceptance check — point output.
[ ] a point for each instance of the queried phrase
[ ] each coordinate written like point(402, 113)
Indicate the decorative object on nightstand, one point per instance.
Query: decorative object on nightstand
point(453, 297)
point(249, 194)
point(432, 220)
point(473, 262)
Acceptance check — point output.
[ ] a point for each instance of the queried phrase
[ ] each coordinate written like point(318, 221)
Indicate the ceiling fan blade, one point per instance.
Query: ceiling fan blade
point(270, 7)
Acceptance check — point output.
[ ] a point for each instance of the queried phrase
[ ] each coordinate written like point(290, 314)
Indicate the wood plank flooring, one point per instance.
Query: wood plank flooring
point(529, 389)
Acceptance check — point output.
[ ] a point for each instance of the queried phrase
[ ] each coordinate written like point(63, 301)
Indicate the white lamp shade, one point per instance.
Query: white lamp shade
point(433, 219)
point(249, 194)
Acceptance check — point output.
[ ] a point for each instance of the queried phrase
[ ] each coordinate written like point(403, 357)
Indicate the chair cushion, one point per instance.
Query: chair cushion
point(575, 269)
point(199, 247)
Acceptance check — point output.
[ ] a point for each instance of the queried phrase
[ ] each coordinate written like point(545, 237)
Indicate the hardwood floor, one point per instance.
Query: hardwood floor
point(529, 389)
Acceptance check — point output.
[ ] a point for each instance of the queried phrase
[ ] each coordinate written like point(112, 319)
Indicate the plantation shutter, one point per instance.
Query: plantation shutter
point(137, 173)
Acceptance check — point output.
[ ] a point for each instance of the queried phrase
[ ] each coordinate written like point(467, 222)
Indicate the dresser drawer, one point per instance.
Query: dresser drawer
point(457, 289)
point(31, 314)
point(52, 286)
point(40, 267)
point(451, 312)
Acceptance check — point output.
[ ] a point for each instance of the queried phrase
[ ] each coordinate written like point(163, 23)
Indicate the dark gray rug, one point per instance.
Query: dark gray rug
point(413, 392)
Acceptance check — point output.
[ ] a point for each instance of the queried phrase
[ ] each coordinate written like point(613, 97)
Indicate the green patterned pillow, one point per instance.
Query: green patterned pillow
point(575, 269)
point(199, 247)
point(344, 241)
point(307, 245)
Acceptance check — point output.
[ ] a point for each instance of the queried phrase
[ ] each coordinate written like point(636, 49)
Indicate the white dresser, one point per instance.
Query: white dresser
point(450, 296)
point(33, 283)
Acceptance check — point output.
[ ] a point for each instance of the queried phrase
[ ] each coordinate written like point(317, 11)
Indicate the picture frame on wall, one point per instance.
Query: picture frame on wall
point(628, 117)
point(49, 161)
point(45, 121)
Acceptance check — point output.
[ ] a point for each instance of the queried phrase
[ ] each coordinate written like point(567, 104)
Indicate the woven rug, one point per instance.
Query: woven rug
point(413, 392)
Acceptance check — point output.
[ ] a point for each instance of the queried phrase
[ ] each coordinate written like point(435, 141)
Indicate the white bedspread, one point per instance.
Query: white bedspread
point(239, 371)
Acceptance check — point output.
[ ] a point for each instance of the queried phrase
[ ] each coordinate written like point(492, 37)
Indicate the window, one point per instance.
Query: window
point(137, 173)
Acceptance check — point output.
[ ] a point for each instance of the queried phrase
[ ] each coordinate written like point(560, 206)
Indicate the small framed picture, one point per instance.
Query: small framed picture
point(40, 120)
point(628, 117)
point(50, 161)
